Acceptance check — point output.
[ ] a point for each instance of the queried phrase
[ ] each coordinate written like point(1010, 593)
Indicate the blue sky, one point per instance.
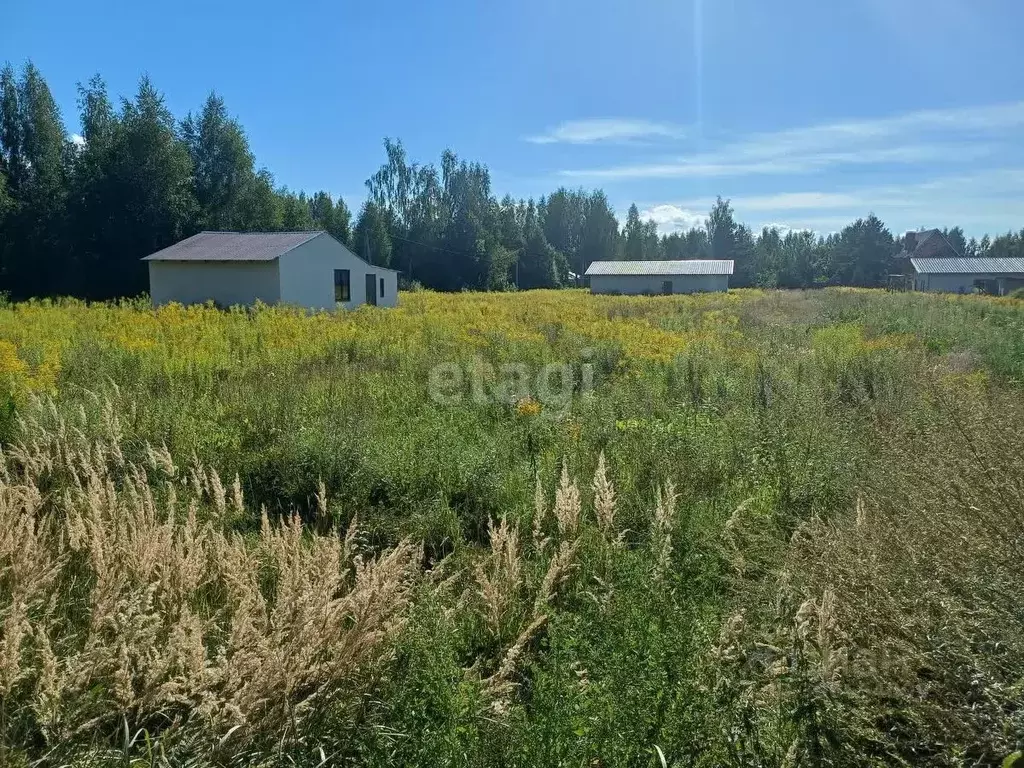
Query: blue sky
point(806, 113)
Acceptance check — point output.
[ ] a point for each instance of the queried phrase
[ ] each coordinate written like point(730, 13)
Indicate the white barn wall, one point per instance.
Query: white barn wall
point(226, 283)
point(307, 276)
point(639, 284)
point(953, 283)
point(962, 282)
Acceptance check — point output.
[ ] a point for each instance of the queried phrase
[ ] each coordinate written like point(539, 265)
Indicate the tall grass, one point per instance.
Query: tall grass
point(783, 529)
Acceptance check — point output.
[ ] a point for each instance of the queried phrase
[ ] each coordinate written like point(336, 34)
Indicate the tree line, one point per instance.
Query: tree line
point(77, 213)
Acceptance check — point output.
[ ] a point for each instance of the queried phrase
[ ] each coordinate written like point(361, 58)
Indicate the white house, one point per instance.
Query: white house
point(997, 275)
point(307, 269)
point(651, 277)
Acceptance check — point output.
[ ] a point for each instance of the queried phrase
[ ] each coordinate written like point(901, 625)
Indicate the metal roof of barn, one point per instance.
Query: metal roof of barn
point(683, 267)
point(233, 246)
point(969, 266)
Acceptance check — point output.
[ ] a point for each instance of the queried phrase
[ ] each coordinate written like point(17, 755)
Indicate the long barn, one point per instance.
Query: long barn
point(993, 275)
point(659, 277)
point(305, 269)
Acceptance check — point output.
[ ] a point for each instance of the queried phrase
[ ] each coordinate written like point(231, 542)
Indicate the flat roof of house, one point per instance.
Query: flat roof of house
point(968, 266)
point(233, 246)
point(682, 267)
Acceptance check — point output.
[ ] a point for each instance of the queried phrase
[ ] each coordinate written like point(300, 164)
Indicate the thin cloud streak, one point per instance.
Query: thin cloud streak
point(989, 119)
point(606, 130)
point(979, 201)
point(950, 135)
point(996, 184)
point(715, 165)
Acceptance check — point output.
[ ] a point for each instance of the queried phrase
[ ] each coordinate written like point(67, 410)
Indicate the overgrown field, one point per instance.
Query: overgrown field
point(537, 529)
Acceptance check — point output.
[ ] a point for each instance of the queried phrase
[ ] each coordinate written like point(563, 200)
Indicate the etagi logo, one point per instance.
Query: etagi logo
point(552, 386)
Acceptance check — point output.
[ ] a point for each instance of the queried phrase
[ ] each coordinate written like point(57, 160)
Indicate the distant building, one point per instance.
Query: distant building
point(996, 276)
point(928, 244)
point(922, 244)
point(306, 269)
point(659, 277)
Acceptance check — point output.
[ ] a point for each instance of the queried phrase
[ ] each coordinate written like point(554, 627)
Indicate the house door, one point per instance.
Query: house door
point(666, 286)
point(371, 289)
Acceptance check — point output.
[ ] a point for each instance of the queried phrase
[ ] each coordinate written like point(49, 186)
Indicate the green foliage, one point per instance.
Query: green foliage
point(638, 244)
point(862, 254)
point(600, 233)
point(334, 218)
point(149, 174)
point(538, 261)
point(800, 605)
point(33, 146)
point(222, 165)
point(137, 180)
point(371, 237)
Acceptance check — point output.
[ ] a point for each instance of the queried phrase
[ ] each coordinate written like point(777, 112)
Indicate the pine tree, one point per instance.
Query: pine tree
point(633, 235)
point(151, 201)
point(331, 217)
point(35, 152)
point(955, 237)
point(92, 193)
point(10, 129)
point(371, 237)
point(537, 264)
point(295, 213)
point(862, 255)
point(222, 165)
point(259, 208)
point(600, 232)
point(563, 220)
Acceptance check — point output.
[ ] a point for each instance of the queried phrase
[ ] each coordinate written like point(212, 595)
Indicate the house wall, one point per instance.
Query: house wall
point(639, 284)
point(963, 283)
point(226, 283)
point(307, 276)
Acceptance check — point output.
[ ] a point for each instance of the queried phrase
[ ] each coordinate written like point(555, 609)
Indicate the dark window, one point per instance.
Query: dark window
point(342, 285)
point(990, 287)
point(382, 287)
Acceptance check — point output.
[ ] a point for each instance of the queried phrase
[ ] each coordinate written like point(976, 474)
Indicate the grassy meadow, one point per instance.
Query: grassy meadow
point(534, 529)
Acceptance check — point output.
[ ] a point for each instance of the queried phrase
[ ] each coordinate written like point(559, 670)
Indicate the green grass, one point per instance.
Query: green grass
point(844, 584)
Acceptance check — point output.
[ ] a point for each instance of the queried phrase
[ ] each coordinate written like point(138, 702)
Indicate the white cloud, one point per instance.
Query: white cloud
point(986, 200)
point(715, 165)
point(672, 218)
point(935, 167)
point(606, 129)
point(907, 137)
point(925, 136)
point(808, 201)
point(788, 201)
point(784, 229)
point(78, 139)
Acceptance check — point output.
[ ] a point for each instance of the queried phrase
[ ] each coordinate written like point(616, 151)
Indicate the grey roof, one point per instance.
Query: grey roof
point(684, 267)
point(967, 266)
point(233, 246)
point(927, 237)
point(920, 238)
